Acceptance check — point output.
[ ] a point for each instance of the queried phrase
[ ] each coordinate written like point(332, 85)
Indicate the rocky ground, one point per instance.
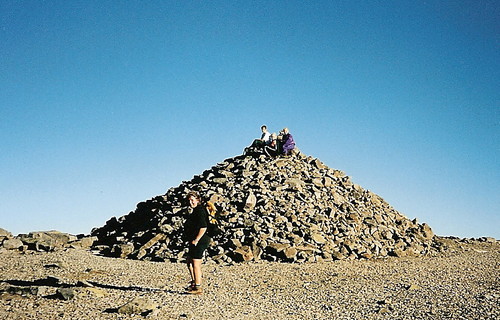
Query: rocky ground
point(462, 282)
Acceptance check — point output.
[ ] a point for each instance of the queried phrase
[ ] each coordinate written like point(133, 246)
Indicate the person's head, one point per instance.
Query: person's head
point(194, 199)
point(263, 128)
point(285, 130)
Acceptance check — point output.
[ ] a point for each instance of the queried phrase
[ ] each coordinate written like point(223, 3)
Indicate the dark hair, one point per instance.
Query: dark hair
point(263, 126)
point(193, 194)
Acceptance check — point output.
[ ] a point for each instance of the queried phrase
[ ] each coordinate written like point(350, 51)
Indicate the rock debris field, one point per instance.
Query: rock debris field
point(461, 282)
point(299, 240)
point(291, 209)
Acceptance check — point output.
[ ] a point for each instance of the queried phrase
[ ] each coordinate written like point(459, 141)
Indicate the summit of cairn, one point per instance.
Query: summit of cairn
point(290, 209)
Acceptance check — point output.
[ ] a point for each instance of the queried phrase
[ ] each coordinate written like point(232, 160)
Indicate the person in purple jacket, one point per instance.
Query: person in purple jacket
point(287, 141)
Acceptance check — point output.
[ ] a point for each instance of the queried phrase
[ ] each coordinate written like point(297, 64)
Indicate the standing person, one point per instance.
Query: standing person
point(288, 142)
point(195, 229)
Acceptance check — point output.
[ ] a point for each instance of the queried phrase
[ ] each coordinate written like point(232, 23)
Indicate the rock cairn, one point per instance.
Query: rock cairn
point(290, 209)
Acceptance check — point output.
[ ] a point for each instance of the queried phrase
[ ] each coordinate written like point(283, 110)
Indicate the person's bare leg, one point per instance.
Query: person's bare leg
point(191, 270)
point(197, 271)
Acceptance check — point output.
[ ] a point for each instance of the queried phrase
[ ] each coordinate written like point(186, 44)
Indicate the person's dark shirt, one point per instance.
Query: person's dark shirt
point(194, 222)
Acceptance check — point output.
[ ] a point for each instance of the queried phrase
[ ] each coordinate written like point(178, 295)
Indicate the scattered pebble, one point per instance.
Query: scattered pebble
point(459, 283)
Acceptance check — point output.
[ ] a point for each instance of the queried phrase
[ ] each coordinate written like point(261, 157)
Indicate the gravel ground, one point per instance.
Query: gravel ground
point(460, 283)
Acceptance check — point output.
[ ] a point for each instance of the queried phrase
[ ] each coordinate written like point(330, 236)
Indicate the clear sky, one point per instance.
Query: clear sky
point(104, 104)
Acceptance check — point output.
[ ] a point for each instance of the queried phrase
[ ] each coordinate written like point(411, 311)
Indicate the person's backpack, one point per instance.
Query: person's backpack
point(212, 222)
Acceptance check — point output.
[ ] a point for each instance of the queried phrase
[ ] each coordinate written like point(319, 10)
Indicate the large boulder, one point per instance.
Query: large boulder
point(5, 234)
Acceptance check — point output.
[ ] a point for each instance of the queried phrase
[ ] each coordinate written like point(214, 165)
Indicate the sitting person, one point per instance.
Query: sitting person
point(265, 138)
point(259, 143)
point(271, 150)
point(287, 142)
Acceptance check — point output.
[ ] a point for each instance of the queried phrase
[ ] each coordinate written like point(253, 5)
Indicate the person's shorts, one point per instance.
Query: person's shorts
point(196, 252)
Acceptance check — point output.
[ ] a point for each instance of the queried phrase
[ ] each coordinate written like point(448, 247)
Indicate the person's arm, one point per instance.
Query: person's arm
point(198, 237)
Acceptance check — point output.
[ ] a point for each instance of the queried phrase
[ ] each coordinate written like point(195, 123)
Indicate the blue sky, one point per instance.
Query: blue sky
point(104, 104)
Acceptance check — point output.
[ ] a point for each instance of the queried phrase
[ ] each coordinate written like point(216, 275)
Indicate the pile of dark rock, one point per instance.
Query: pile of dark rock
point(291, 209)
point(44, 241)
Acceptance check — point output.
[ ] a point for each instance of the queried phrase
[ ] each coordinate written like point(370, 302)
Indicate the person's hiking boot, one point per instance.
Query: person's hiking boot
point(195, 290)
point(190, 286)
